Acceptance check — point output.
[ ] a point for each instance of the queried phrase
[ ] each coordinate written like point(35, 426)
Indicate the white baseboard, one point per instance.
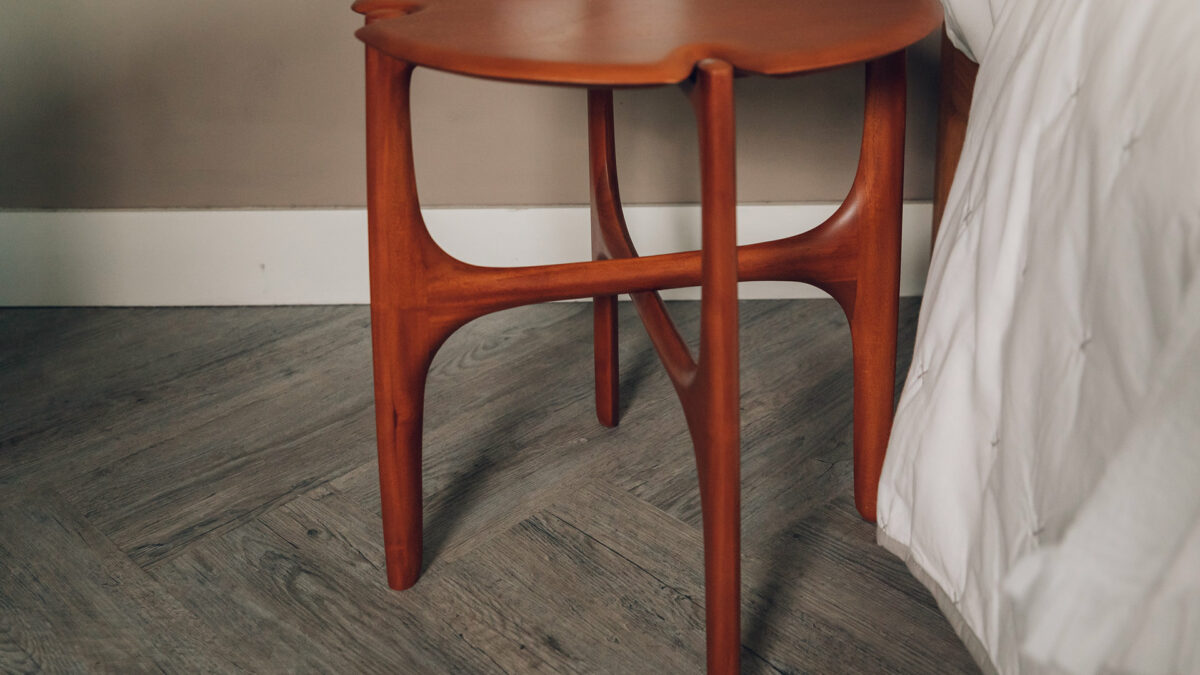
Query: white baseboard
point(306, 257)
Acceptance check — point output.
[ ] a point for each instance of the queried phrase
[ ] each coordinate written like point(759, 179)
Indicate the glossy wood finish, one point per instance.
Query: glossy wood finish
point(420, 294)
point(707, 386)
point(954, 105)
point(640, 42)
point(876, 200)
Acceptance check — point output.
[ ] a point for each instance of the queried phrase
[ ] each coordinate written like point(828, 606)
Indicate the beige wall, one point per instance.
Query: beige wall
point(258, 103)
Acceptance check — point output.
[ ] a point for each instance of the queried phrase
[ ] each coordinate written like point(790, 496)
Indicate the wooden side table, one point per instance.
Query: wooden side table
point(420, 294)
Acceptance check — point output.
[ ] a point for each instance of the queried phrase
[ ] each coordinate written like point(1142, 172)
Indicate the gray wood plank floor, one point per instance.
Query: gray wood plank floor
point(194, 490)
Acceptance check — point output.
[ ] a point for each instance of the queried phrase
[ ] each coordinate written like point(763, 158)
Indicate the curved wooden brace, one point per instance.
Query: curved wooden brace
point(611, 240)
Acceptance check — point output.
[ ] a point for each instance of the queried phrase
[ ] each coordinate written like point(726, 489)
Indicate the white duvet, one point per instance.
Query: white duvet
point(1043, 477)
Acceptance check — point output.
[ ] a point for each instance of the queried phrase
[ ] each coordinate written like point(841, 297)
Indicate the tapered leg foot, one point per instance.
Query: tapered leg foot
point(402, 357)
point(720, 499)
point(874, 337)
point(401, 496)
point(604, 310)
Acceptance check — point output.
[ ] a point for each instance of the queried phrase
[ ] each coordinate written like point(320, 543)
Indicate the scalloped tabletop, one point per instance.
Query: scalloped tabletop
point(640, 42)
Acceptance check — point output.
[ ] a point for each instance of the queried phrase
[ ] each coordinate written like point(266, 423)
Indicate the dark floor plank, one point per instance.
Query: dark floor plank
point(71, 602)
point(546, 596)
point(300, 588)
point(230, 454)
point(107, 377)
point(13, 657)
point(822, 599)
point(164, 437)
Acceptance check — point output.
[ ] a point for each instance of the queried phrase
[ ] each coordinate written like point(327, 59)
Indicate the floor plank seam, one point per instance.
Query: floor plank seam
point(762, 658)
point(271, 555)
point(531, 503)
point(246, 518)
point(664, 584)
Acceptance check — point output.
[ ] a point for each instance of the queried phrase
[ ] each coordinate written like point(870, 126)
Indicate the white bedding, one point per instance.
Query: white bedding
point(970, 22)
point(1043, 477)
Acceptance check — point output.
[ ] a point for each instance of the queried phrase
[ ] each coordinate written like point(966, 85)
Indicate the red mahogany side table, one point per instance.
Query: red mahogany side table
point(420, 294)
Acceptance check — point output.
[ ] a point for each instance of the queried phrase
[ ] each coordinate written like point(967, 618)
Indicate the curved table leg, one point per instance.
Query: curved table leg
point(875, 311)
point(708, 386)
point(714, 394)
point(406, 328)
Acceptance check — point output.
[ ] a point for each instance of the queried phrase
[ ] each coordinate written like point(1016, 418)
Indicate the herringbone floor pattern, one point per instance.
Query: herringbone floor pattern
point(194, 490)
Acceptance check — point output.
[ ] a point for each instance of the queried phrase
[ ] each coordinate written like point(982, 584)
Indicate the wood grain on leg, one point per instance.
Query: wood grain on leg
point(874, 315)
point(405, 331)
point(402, 358)
point(713, 408)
